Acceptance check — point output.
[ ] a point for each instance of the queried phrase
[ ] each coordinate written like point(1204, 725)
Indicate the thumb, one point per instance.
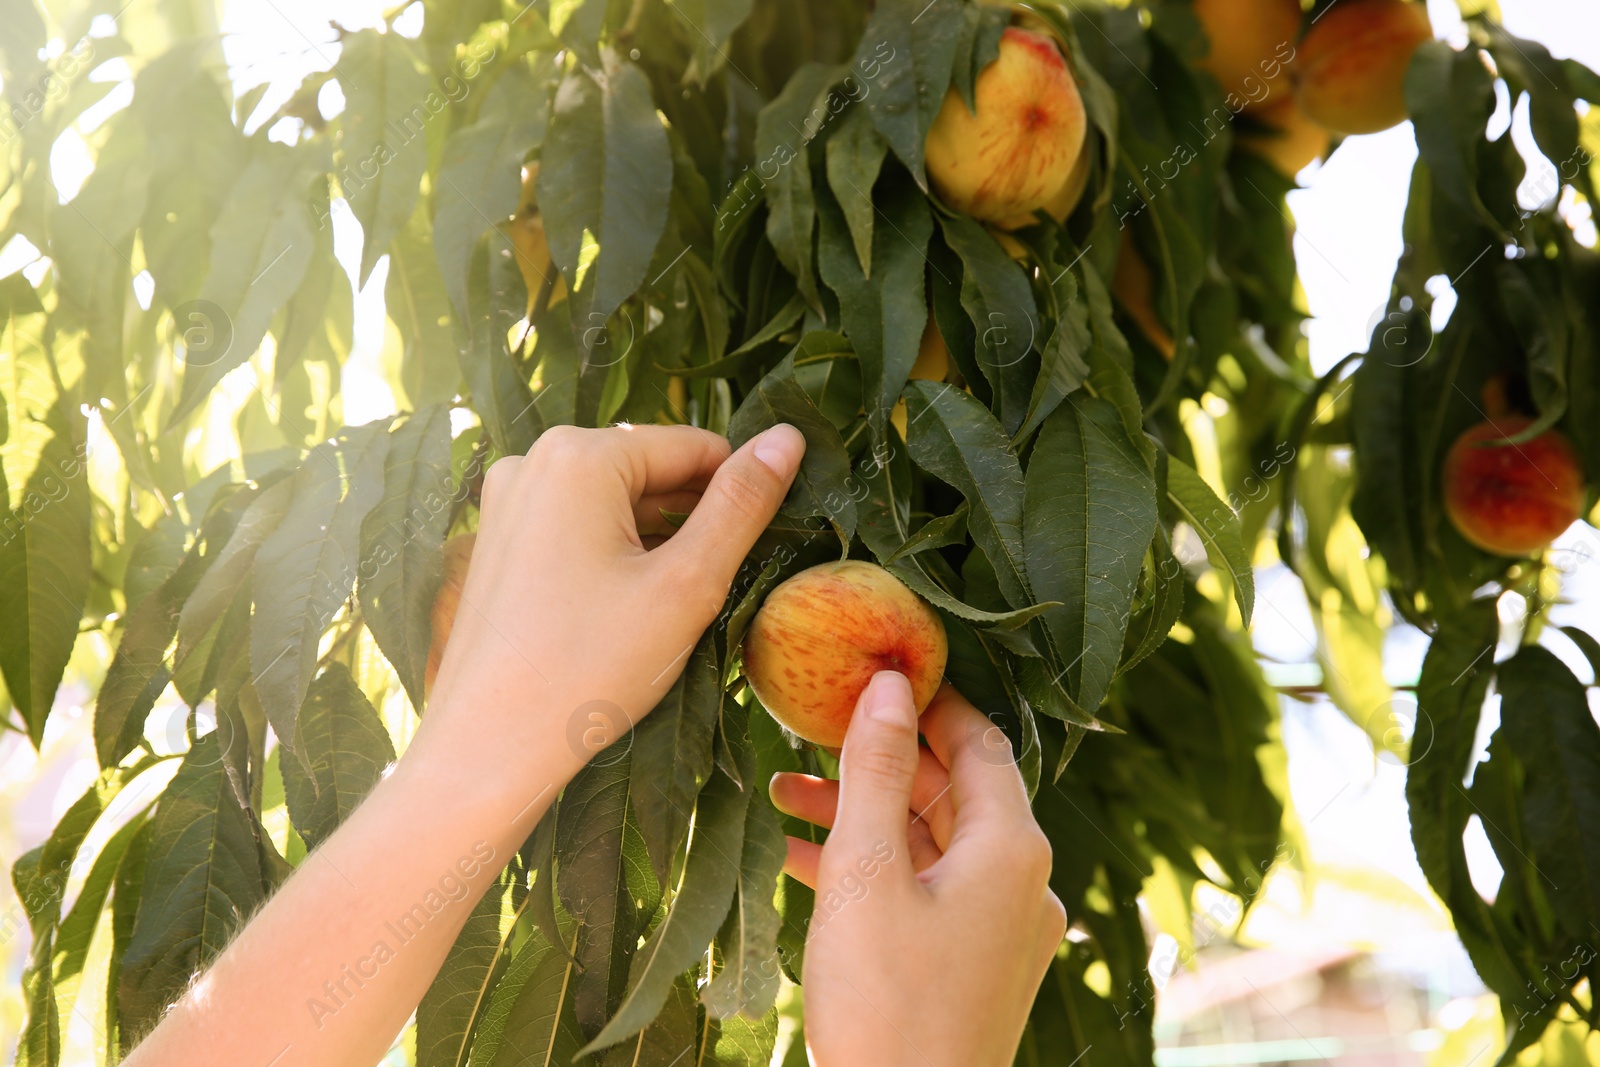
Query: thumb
point(877, 768)
point(738, 503)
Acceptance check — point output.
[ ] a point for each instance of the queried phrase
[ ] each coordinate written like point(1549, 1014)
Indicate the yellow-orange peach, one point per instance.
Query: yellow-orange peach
point(1133, 288)
point(1005, 160)
point(1252, 45)
point(821, 635)
point(532, 247)
point(1287, 138)
point(457, 555)
point(1512, 499)
point(1351, 70)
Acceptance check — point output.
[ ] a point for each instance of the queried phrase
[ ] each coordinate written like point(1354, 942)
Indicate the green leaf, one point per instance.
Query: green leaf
point(1088, 515)
point(698, 907)
point(1587, 645)
point(819, 488)
point(1450, 692)
point(919, 582)
point(1545, 719)
point(671, 1036)
point(937, 532)
point(223, 580)
point(456, 1003)
point(672, 754)
point(306, 568)
point(343, 748)
point(784, 170)
point(261, 245)
point(77, 929)
point(713, 22)
point(92, 245)
point(480, 177)
point(383, 143)
point(22, 43)
point(883, 316)
point(200, 880)
point(41, 1040)
point(954, 438)
point(1218, 528)
point(400, 541)
point(539, 1028)
point(497, 385)
point(1162, 594)
point(854, 156)
point(1449, 96)
point(606, 168)
point(999, 302)
point(741, 1042)
point(44, 569)
point(594, 860)
point(199, 154)
point(906, 55)
point(1062, 368)
point(414, 297)
point(748, 981)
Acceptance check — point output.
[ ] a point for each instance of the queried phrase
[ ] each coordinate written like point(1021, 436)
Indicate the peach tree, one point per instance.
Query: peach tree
point(1073, 437)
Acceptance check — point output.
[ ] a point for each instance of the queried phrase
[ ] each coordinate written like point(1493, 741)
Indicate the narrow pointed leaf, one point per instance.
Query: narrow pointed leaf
point(710, 875)
point(306, 568)
point(400, 544)
point(201, 880)
point(1088, 516)
point(1218, 527)
point(383, 144)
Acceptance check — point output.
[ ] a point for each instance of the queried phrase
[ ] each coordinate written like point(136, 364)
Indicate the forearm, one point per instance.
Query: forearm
point(332, 967)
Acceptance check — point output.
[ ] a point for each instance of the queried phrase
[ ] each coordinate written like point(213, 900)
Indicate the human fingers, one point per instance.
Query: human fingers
point(647, 517)
point(659, 459)
point(816, 799)
point(877, 768)
point(985, 784)
point(739, 501)
point(801, 861)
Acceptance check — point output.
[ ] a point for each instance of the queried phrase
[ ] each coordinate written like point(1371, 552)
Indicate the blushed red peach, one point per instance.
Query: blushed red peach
point(1351, 70)
point(447, 601)
point(1512, 499)
point(821, 635)
point(1013, 154)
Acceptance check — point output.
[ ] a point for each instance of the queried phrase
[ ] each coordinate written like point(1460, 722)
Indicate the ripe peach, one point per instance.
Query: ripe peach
point(1288, 140)
point(1133, 288)
point(1351, 71)
point(1512, 500)
point(1252, 44)
point(532, 247)
point(446, 602)
point(1009, 158)
point(821, 636)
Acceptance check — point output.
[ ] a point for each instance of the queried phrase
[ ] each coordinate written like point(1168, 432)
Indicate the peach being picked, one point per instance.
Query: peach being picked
point(1512, 499)
point(1351, 71)
point(1016, 151)
point(447, 601)
point(822, 634)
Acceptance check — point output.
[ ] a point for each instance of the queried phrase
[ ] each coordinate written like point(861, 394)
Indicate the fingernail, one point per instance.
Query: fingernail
point(888, 699)
point(780, 448)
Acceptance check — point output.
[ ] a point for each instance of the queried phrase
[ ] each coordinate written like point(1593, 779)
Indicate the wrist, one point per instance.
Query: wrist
point(499, 776)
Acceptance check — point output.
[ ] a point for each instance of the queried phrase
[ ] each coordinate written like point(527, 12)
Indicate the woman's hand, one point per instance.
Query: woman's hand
point(563, 607)
point(582, 604)
point(933, 922)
